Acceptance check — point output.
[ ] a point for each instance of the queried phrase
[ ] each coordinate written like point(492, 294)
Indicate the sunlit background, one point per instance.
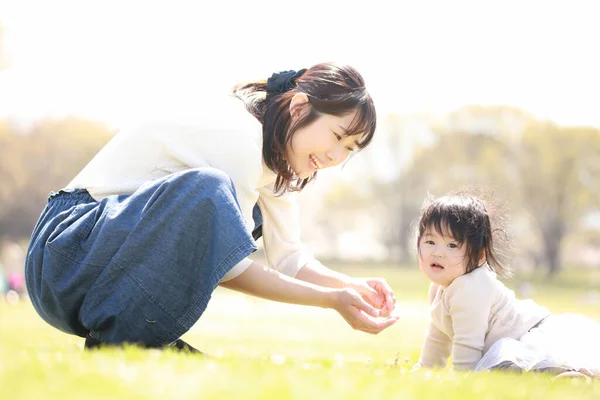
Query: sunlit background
point(520, 72)
point(504, 94)
point(118, 61)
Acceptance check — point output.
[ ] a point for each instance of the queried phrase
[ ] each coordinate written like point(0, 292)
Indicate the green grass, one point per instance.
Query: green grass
point(264, 350)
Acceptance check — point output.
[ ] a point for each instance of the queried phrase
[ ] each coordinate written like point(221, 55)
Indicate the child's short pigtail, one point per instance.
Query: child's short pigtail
point(498, 242)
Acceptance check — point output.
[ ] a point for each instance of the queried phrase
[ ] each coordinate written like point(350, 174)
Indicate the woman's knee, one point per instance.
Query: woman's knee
point(196, 195)
point(204, 179)
point(201, 190)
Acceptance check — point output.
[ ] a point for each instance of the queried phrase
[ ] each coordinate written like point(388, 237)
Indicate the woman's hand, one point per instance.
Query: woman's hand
point(376, 292)
point(359, 314)
point(261, 281)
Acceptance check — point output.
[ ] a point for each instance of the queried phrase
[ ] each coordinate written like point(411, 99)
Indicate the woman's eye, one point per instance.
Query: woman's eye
point(338, 137)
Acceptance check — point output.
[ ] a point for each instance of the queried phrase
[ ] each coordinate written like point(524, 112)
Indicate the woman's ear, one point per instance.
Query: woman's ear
point(299, 105)
point(482, 259)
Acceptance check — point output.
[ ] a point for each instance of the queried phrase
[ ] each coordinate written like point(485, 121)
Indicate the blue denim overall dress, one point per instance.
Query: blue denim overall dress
point(137, 268)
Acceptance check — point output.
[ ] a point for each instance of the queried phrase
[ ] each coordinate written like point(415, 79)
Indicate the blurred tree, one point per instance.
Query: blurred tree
point(344, 206)
point(399, 189)
point(42, 159)
point(400, 202)
point(559, 171)
point(554, 172)
point(467, 148)
point(549, 175)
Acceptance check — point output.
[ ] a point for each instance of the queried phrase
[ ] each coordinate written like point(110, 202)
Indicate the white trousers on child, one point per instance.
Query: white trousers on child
point(561, 342)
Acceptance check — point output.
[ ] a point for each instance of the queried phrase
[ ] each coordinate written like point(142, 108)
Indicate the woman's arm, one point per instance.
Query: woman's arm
point(261, 281)
point(317, 273)
point(285, 253)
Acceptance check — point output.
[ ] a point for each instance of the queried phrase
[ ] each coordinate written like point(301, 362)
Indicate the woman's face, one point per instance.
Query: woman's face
point(321, 144)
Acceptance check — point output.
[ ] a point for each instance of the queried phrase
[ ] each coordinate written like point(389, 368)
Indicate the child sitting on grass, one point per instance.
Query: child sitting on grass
point(478, 320)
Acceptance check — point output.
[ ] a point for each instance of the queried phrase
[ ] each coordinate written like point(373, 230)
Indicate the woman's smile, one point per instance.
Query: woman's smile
point(315, 163)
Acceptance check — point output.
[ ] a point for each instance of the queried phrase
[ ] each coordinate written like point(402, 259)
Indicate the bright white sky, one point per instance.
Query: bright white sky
point(119, 60)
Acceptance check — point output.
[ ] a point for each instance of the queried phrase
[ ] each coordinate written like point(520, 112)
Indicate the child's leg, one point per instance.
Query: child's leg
point(567, 341)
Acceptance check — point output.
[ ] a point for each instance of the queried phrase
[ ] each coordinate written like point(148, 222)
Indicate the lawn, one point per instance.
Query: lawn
point(264, 350)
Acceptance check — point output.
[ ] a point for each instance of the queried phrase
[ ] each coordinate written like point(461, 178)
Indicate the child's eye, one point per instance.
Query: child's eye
point(338, 137)
point(452, 245)
point(429, 242)
point(350, 149)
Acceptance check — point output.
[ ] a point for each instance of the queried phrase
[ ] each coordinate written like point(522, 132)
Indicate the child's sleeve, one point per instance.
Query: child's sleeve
point(436, 348)
point(437, 345)
point(469, 306)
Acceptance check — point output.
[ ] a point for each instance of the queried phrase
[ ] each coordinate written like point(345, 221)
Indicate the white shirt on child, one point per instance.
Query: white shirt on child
point(470, 315)
point(234, 146)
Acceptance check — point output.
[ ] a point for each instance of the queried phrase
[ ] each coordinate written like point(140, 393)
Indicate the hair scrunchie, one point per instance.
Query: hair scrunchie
point(281, 82)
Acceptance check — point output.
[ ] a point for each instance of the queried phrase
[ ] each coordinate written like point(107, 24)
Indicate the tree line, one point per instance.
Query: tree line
point(38, 159)
point(548, 174)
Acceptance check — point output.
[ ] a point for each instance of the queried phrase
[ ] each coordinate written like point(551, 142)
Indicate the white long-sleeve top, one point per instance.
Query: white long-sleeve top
point(232, 145)
point(470, 315)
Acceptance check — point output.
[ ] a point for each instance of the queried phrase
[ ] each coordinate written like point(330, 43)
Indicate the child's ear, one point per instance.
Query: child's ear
point(298, 105)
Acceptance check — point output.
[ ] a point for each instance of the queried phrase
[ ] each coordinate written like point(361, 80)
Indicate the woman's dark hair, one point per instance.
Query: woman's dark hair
point(467, 219)
point(331, 89)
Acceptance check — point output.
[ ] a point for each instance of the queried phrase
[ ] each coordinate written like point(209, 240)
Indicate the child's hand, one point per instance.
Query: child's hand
point(376, 292)
point(416, 367)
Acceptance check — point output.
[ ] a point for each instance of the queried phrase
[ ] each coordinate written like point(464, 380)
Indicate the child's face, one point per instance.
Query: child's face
point(321, 144)
point(441, 258)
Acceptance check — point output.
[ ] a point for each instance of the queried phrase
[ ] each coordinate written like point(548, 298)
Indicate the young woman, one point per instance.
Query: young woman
point(132, 249)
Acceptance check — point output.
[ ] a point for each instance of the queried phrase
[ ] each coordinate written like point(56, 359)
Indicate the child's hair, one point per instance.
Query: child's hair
point(331, 89)
point(469, 220)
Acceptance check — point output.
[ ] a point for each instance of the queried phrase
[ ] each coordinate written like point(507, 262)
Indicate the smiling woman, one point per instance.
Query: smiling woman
point(166, 212)
point(312, 119)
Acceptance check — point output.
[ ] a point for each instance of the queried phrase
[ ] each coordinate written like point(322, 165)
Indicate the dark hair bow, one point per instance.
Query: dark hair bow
point(281, 82)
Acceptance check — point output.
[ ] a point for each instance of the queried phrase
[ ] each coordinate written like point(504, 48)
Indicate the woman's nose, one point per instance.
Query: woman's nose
point(335, 156)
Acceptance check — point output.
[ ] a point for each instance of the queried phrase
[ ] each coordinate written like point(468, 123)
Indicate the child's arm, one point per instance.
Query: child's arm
point(437, 345)
point(469, 304)
point(436, 348)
